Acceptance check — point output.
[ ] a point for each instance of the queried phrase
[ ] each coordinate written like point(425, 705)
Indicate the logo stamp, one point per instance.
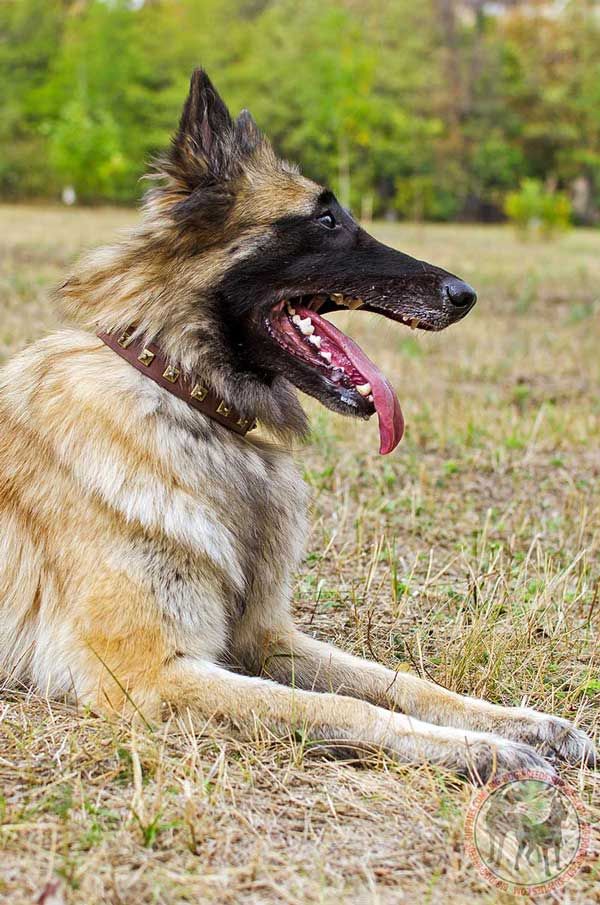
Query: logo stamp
point(527, 834)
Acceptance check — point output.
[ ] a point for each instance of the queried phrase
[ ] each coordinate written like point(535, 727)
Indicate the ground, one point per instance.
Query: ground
point(471, 555)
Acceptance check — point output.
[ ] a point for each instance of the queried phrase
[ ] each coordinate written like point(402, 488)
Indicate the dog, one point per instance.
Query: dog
point(148, 536)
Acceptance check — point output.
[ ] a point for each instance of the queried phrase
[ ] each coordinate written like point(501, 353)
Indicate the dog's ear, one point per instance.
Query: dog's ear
point(250, 141)
point(247, 135)
point(203, 145)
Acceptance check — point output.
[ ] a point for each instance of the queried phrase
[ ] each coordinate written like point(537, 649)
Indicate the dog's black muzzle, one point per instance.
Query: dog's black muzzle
point(400, 287)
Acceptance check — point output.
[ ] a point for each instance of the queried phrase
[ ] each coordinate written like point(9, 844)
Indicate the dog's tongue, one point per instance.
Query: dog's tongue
point(391, 421)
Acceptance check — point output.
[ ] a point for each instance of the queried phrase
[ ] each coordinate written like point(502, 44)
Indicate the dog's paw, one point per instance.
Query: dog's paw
point(559, 738)
point(492, 756)
point(555, 737)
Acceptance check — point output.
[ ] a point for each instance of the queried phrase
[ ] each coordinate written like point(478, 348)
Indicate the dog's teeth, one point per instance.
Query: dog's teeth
point(370, 398)
point(415, 321)
point(340, 299)
point(364, 389)
point(306, 326)
point(315, 340)
point(326, 356)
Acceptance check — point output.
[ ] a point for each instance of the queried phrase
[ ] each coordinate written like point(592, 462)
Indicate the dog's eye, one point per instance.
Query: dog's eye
point(327, 220)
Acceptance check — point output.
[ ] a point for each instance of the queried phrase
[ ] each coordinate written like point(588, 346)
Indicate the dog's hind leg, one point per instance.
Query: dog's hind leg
point(292, 657)
point(203, 690)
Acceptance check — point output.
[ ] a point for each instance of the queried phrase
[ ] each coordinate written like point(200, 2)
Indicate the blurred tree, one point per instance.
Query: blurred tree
point(30, 32)
point(100, 105)
point(430, 110)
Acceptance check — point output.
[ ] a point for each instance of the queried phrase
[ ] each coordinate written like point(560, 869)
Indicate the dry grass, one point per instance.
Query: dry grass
point(471, 555)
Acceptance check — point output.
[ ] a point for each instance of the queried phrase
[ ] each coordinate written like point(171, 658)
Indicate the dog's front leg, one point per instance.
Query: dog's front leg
point(295, 658)
point(201, 689)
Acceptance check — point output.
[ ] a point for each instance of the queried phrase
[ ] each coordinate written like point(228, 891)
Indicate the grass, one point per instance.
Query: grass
point(471, 555)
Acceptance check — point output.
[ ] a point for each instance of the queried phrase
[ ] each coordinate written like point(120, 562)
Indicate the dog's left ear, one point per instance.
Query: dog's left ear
point(203, 144)
point(247, 135)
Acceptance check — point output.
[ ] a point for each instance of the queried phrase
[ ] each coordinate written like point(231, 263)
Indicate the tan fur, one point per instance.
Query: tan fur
point(147, 552)
point(106, 495)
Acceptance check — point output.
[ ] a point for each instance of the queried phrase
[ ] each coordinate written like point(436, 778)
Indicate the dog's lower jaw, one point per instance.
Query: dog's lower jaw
point(275, 405)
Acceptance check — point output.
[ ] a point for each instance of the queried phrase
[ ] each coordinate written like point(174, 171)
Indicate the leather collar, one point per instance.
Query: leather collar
point(148, 359)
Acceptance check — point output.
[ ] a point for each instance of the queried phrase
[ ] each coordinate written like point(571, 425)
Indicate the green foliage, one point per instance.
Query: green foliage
point(86, 151)
point(406, 110)
point(536, 209)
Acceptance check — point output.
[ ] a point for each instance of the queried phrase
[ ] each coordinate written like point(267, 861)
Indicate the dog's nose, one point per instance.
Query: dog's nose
point(461, 295)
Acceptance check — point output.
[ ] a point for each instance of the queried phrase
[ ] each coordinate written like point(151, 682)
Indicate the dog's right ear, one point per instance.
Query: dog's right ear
point(202, 146)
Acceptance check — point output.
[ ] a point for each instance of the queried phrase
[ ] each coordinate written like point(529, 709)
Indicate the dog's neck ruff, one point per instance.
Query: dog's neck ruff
point(148, 359)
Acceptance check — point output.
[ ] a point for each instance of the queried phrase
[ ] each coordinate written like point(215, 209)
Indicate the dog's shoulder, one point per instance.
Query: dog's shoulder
point(145, 455)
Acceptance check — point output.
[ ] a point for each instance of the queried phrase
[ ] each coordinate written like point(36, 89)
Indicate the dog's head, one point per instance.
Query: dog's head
point(283, 253)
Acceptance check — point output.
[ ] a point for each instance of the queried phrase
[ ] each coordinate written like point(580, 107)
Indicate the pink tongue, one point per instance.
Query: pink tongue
point(391, 422)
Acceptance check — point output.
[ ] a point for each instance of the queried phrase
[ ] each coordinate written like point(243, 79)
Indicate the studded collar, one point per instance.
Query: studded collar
point(149, 360)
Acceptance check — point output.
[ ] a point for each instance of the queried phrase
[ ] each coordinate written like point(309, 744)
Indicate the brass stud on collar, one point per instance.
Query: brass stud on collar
point(146, 357)
point(198, 392)
point(171, 374)
point(126, 338)
point(223, 409)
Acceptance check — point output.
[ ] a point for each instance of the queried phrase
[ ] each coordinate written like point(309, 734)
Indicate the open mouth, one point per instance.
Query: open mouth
point(300, 330)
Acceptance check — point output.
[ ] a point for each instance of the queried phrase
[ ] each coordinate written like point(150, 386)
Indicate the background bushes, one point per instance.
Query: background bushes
point(431, 110)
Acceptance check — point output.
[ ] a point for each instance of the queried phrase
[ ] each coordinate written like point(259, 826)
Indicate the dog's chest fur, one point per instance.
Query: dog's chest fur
point(119, 483)
point(238, 542)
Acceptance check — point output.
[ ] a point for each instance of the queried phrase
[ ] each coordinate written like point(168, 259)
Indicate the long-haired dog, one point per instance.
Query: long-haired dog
point(147, 536)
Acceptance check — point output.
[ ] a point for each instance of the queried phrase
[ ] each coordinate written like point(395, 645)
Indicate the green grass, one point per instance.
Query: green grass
point(471, 554)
